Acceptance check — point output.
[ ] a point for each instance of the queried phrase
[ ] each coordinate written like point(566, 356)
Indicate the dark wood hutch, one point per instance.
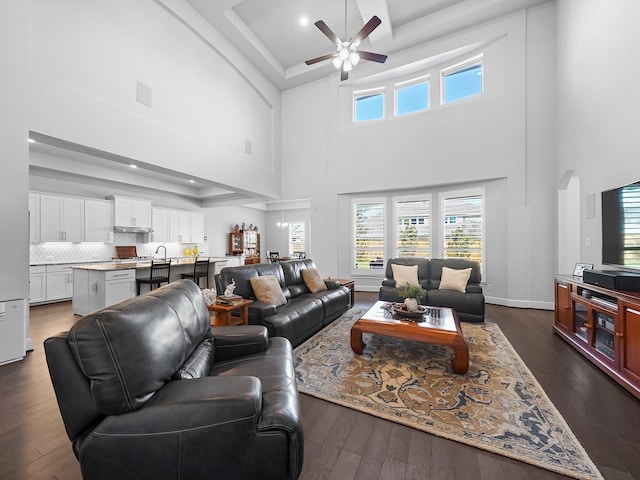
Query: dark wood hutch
point(603, 325)
point(247, 243)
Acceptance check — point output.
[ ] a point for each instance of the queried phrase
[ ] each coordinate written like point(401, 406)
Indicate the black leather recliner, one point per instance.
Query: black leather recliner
point(147, 390)
point(469, 305)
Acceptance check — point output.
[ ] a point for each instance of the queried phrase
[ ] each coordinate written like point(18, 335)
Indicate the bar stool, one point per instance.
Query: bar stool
point(158, 274)
point(200, 270)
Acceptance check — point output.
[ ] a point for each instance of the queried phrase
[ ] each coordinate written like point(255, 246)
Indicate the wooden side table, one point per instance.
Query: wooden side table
point(350, 284)
point(222, 313)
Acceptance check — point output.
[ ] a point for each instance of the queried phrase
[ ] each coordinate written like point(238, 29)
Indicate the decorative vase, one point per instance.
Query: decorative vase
point(412, 304)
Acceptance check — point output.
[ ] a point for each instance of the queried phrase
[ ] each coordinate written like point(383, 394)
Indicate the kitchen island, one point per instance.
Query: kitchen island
point(98, 285)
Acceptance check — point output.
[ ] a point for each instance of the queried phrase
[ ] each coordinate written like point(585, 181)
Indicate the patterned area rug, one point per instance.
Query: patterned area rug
point(497, 405)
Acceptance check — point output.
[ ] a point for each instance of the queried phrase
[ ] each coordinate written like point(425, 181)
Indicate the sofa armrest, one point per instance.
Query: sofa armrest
point(186, 419)
point(260, 310)
point(332, 284)
point(182, 405)
point(388, 282)
point(239, 341)
point(474, 289)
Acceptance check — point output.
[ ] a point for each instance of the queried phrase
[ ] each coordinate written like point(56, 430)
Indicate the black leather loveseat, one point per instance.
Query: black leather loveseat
point(303, 314)
point(469, 304)
point(147, 390)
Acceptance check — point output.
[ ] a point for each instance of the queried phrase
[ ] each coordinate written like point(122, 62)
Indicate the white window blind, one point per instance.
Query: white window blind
point(296, 237)
point(413, 235)
point(368, 238)
point(462, 227)
point(631, 214)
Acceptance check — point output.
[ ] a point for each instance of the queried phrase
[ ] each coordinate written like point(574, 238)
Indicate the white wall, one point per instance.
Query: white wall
point(598, 102)
point(496, 136)
point(14, 210)
point(85, 59)
point(220, 221)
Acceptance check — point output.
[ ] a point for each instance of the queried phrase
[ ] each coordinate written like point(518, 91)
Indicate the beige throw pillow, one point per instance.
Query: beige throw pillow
point(267, 289)
point(405, 274)
point(454, 279)
point(313, 280)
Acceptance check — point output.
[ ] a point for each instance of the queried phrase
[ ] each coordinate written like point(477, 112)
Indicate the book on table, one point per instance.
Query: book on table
point(229, 299)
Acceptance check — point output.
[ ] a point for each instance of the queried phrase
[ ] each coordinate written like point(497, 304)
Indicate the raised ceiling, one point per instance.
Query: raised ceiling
point(271, 36)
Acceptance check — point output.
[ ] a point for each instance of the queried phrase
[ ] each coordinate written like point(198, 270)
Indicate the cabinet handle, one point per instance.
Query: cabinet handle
point(120, 275)
point(587, 325)
point(619, 335)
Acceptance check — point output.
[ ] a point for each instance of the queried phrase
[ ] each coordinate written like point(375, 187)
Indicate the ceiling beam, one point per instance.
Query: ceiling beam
point(368, 8)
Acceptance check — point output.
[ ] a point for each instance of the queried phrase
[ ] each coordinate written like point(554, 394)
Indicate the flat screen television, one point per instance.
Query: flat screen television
point(621, 226)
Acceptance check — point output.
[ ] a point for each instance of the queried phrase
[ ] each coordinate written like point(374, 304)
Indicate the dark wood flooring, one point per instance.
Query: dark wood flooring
point(344, 444)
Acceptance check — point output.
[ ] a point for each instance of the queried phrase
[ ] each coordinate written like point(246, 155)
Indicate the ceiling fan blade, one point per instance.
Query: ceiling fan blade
point(321, 59)
point(323, 27)
point(374, 57)
point(365, 31)
point(344, 75)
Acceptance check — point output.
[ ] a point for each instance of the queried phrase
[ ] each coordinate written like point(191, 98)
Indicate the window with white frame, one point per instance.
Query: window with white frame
point(412, 96)
point(368, 105)
point(368, 234)
point(296, 237)
point(462, 80)
point(413, 231)
point(463, 225)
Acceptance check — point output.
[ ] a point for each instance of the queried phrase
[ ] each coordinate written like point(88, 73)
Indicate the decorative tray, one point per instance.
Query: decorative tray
point(401, 309)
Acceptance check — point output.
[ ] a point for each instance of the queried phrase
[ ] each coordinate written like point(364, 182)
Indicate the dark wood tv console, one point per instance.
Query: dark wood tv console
point(603, 325)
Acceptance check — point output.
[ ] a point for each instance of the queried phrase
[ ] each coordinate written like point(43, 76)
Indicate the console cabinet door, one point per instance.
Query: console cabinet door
point(629, 338)
point(563, 307)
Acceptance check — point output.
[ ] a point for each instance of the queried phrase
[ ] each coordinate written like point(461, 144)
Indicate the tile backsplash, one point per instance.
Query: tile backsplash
point(89, 252)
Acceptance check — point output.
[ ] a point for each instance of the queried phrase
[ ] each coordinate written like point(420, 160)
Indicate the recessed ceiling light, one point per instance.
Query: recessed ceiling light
point(31, 140)
point(192, 181)
point(133, 166)
point(304, 21)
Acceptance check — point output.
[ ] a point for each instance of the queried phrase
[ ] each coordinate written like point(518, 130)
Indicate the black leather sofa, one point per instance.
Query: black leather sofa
point(304, 314)
point(469, 305)
point(147, 390)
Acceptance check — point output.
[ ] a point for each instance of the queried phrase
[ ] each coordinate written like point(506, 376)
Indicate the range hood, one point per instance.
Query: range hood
point(132, 229)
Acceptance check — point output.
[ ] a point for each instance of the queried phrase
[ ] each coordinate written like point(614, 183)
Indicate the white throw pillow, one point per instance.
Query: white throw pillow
point(454, 279)
point(404, 274)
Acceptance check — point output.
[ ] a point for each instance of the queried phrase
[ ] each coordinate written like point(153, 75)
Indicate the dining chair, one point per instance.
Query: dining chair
point(273, 256)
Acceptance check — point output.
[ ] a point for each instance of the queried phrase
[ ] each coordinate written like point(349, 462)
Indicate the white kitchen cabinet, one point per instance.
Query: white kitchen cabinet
point(59, 282)
point(98, 221)
point(160, 225)
point(34, 218)
point(130, 212)
point(61, 219)
point(184, 227)
point(37, 284)
point(177, 226)
point(96, 289)
point(197, 227)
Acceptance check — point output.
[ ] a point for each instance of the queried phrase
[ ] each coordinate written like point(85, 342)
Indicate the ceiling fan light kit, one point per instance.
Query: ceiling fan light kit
point(347, 55)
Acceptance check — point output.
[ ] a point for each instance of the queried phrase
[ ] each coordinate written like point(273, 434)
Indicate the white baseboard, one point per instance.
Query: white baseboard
point(506, 302)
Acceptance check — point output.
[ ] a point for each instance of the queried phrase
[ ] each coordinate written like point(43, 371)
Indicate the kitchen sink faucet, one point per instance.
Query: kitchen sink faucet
point(165, 251)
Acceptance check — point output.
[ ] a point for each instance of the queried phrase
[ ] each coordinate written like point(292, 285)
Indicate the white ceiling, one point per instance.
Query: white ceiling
point(269, 34)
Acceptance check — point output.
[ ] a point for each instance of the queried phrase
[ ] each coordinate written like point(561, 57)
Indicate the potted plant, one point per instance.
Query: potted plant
point(412, 294)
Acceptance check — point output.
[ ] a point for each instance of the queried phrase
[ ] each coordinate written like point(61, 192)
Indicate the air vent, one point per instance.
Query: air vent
point(143, 94)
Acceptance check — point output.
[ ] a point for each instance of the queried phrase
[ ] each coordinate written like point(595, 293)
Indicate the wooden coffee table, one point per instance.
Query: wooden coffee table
point(440, 328)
